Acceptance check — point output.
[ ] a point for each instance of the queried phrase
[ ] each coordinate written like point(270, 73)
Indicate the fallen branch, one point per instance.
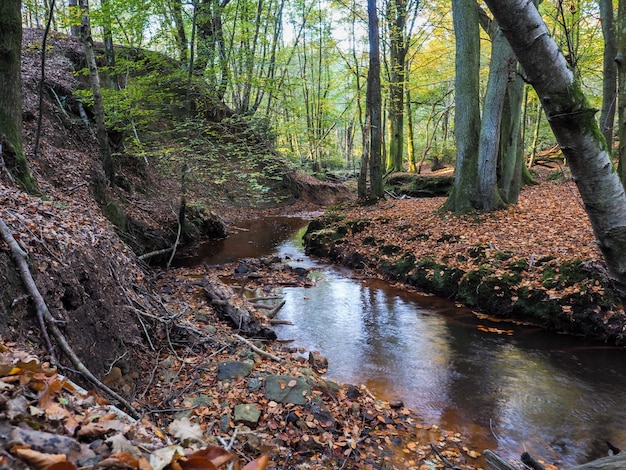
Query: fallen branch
point(152, 254)
point(445, 461)
point(258, 350)
point(46, 321)
point(276, 309)
point(496, 462)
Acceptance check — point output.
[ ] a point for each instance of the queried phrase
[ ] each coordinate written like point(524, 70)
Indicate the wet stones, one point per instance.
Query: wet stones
point(287, 389)
point(233, 369)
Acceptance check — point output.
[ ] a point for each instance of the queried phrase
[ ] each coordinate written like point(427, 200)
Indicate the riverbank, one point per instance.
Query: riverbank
point(536, 261)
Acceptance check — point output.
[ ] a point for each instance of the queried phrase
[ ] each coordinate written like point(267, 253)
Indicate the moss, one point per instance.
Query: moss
point(390, 249)
point(519, 265)
point(447, 237)
point(369, 240)
point(357, 226)
point(477, 251)
point(503, 255)
point(116, 215)
point(534, 304)
point(435, 277)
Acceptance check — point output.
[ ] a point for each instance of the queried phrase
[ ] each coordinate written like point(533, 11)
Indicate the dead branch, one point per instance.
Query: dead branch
point(46, 320)
point(258, 350)
point(152, 254)
point(276, 309)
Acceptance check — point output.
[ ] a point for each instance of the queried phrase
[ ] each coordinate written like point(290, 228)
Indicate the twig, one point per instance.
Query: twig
point(180, 229)
point(258, 350)
point(445, 461)
point(145, 390)
point(152, 254)
point(276, 309)
point(46, 319)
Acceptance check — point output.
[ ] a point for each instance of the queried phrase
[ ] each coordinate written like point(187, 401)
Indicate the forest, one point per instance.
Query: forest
point(460, 161)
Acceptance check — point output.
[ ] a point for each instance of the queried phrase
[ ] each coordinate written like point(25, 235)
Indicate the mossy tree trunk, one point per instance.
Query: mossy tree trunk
point(396, 17)
point(620, 61)
point(573, 122)
point(465, 196)
point(12, 151)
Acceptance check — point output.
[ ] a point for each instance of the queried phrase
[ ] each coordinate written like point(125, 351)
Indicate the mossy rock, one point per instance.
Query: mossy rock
point(535, 305)
point(414, 185)
point(435, 277)
point(357, 226)
point(320, 242)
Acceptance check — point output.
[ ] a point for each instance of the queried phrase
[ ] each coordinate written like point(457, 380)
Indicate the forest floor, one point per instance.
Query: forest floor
point(156, 337)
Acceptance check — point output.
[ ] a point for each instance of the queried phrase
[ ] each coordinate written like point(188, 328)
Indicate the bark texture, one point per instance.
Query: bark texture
point(574, 125)
point(98, 102)
point(465, 196)
point(11, 150)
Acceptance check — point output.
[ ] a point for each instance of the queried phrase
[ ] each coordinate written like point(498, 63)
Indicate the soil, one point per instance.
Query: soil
point(153, 335)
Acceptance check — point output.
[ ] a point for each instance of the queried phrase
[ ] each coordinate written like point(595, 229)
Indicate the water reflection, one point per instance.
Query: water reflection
point(531, 391)
point(556, 397)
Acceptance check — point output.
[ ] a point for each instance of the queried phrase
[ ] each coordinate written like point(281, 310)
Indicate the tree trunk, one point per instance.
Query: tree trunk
point(620, 60)
point(410, 142)
point(510, 177)
point(573, 122)
point(11, 149)
point(98, 104)
point(74, 27)
point(374, 104)
point(609, 77)
point(396, 17)
point(465, 196)
point(109, 50)
point(502, 59)
point(176, 7)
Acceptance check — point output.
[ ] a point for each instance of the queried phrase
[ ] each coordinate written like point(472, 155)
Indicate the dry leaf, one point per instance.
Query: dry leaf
point(185, 431)
point(37, 459)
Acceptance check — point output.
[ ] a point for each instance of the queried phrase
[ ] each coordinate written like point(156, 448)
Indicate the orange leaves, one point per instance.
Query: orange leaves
point(214, 457)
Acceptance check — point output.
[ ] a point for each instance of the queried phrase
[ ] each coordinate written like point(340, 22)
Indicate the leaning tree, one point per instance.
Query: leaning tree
point(575, 127)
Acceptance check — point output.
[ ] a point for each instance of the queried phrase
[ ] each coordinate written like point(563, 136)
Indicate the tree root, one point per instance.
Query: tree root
point(48, 322)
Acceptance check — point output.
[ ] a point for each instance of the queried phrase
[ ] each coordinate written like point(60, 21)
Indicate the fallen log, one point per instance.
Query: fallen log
point(612, 462)
point(239, 312)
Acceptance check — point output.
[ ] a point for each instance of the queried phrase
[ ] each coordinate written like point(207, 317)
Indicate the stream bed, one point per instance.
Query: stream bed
point(506, 387)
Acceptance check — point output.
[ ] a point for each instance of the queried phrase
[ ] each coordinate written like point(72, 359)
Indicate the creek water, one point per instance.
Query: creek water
point(506, 387)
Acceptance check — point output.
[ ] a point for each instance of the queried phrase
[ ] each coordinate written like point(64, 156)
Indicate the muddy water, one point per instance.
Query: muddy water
point(507, 387)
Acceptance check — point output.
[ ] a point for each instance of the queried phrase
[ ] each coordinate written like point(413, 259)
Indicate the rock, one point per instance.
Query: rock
point(353, 392)
point(287, 389)
point(242, 269)
point(396, 404)
point(43, 441)
point(323, 416)
point(233, 369)
point(302, 272)
point(225, 423)
point(255, 383)
point(318, 362)
point(247, 414)
point(328, 387)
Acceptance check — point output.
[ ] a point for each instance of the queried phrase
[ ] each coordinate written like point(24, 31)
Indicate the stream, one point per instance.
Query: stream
point(505, 387)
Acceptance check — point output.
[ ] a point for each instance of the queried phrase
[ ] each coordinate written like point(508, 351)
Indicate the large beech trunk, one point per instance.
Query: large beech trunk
point(573, 122)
